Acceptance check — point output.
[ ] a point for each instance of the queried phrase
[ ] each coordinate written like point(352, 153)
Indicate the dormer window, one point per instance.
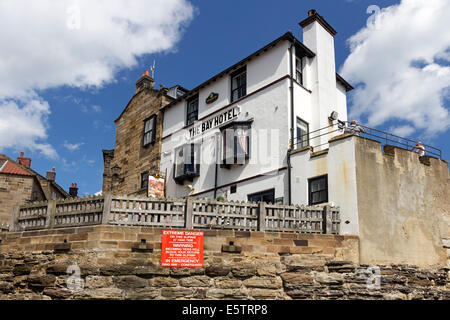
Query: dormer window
point(187, 163)
point(192, 110)
point(236, 143)
point(238, 84)
point(149, 130)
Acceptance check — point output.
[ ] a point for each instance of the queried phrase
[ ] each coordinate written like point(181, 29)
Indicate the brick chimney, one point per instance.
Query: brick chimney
point(26, 162)
point(145, 81)
point(73, 190)
point(51, 175)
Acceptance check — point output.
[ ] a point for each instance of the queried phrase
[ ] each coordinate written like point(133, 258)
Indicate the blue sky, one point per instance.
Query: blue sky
point(77, 113)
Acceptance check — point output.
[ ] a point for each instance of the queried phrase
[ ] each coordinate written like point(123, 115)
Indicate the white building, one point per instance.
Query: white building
point(230, 136)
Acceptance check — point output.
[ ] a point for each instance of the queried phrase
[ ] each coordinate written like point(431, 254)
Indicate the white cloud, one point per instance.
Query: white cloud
point(72, 146)
point(395, 62)
point(76, 43)
point(24, 126)
point(94, 109)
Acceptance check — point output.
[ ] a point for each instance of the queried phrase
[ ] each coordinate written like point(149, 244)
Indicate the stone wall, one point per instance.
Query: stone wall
point(15, 190)
point(129, 154)
point(403, 205)
point(114, 264)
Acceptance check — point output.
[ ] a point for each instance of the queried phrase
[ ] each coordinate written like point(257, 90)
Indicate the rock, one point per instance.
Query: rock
point(178, 292)
point(227, 294)
point(57, 293)
point(297, 280)
point(265, 294)
point(41, 281)
point(150, 270)
point(217, 271)
point(116, 270)
point(130, 282)
point(330, 279)
point(264, 282)
point(21, 269)
point(142, 294)
point(163, 282)
point(196, 281)
point(57, 269)
point(6, 287)
point(227, 283)
point(243, 271)
point(93, 282)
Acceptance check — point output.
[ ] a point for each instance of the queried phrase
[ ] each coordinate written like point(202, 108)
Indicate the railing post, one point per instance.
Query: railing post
point(14, 222)
point(189, 213)
point(327, 223)
point(106, 215)
point(51, 212)
point(262, 216)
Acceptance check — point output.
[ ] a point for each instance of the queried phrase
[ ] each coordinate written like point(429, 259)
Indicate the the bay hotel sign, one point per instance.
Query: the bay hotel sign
point(213, 122)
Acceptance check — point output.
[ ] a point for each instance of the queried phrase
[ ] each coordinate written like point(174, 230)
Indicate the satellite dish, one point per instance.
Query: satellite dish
point(334, 115)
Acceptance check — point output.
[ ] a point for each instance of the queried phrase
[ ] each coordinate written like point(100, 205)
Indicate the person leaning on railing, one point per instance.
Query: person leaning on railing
point(353, 128)
point(420, 149)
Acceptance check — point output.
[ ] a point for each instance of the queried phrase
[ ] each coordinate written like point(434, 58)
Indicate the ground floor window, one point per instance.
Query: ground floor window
point(318, 190)
point(264, 196)
point(187, 162)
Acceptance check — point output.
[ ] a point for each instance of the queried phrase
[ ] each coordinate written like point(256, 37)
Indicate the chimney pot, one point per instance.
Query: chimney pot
point(73, 190)
point(26, 162)
point(312, 12)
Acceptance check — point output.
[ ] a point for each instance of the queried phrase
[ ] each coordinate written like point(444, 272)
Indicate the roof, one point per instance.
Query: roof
point(287, 36)
point(346, 85)
point(12, 167)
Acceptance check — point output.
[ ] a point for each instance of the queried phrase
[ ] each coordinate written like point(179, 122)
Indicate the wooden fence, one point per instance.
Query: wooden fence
point(176, 213)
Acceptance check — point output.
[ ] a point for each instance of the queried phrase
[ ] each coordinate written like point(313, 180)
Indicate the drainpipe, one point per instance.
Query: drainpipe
point(217, 165)
point(291, 88)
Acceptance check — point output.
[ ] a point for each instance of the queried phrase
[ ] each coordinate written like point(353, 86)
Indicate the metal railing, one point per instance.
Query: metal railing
point(176, 213)
point(385, 138)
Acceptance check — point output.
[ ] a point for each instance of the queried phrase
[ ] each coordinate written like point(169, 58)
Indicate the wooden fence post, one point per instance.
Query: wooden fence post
point(262, 216)
point(189, 213)
point(51, 212)
point(327, 220)
point(14, 222)
point(106, 215)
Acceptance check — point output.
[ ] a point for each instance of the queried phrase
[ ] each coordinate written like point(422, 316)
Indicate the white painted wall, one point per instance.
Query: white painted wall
point(340, 166)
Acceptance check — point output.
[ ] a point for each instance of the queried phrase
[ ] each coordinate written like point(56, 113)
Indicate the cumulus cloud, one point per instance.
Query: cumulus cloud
point(76, 43)
point(401, 65)
point(72, 146)
point(24, 126)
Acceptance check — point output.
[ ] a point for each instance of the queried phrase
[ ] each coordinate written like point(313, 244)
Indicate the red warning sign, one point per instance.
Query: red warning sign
point(182, 249)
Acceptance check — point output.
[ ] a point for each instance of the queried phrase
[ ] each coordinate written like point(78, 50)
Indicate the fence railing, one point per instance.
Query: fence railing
point(176, 213)
point(314, 140)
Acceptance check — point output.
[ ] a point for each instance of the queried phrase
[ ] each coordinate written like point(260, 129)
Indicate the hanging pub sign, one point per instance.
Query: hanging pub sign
point(215, 121)
point(182, 248)
point(212, 97)
point(155, 187)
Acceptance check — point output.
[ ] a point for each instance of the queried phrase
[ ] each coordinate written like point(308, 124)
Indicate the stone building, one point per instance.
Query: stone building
point(137, 150)
point(19, 184)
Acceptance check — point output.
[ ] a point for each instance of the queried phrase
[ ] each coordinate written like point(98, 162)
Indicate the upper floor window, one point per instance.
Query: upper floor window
point(299, 70)
point(318, 190)
point(144, 180)
point(149, 130)
point(238, 84)
point(187, 162)
point(302, 133)
point(192, 110)
point(236, 142)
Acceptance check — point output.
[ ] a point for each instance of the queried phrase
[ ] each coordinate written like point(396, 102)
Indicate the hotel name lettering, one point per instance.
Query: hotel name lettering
point(221, 118)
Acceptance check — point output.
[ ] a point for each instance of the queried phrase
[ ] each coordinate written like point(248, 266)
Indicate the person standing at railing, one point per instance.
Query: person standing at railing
point(420, 149)
point(354, 128)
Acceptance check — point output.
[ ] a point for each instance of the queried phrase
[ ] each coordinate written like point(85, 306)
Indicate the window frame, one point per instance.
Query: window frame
point(144, 183)
point(235, 74)
point(307, 133)
point(195, 154)
point(262, 193)
point(310, 193)
point(235, 125)
point(188, 103)
point(297, 70)
point(152, 130)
